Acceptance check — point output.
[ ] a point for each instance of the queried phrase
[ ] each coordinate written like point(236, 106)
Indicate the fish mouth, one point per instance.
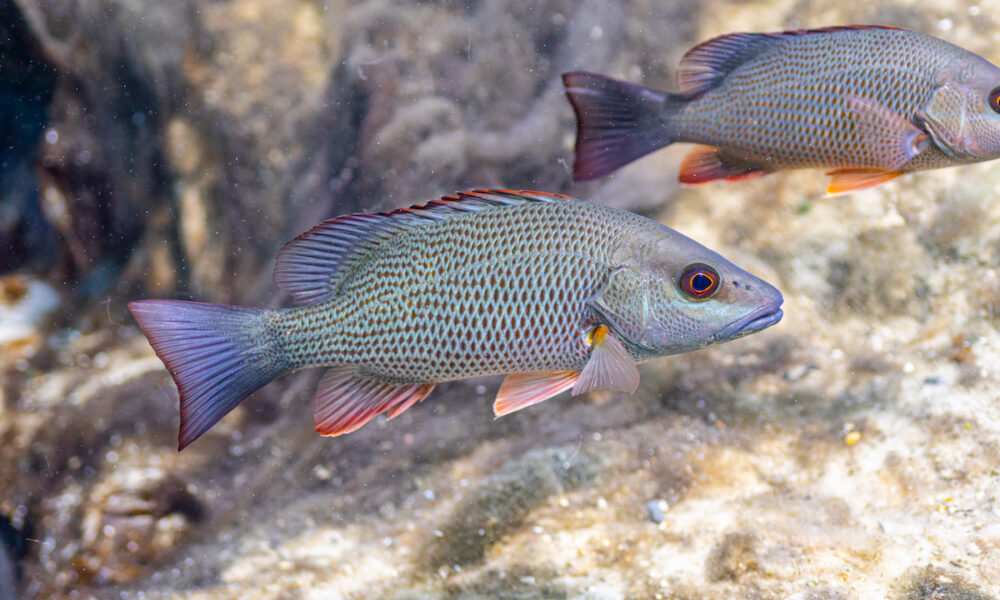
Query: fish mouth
point(762, 318)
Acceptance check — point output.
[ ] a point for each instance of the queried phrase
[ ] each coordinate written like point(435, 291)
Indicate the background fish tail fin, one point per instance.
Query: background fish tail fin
point(217, 355)
point(617, 121)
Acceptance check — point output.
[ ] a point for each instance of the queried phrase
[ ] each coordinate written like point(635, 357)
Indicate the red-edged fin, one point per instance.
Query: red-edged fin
point(892, 138)
point(609, 368)
point(521, 390)
point(617, 121)
point(852, 180)
point(707, 163)
point(346, 399)
point(313, 266)
point(216, 354)
point(707, 64)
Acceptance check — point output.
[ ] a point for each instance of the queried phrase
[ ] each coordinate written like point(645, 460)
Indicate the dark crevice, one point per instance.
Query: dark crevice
point(27, 83)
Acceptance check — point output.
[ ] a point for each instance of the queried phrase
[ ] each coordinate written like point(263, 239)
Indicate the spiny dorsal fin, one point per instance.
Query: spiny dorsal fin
point(705, 65)
point(311, 266)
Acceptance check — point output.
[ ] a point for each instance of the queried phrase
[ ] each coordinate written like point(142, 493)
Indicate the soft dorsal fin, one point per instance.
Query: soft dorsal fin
point(312, 266)
point(705, 65)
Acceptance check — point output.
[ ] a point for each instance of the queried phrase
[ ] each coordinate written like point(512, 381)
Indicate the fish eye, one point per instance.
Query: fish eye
point(699, 281)
point(995, 99)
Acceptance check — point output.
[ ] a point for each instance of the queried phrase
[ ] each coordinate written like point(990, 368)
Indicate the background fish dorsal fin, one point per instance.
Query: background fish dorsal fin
point(312, 266)
point(705, 65)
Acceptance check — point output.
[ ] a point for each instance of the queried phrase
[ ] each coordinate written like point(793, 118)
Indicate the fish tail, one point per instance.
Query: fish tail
point(617, 121)
point(217, 354)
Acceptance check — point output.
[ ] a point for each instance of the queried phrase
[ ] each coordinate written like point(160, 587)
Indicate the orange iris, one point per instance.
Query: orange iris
point(699, 281)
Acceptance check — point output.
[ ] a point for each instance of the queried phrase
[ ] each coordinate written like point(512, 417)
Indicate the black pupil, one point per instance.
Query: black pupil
point(995, 99)
point(700, 282)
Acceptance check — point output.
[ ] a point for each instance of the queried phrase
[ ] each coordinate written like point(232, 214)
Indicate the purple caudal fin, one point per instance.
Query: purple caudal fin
point(217, 354)
point(617, 122)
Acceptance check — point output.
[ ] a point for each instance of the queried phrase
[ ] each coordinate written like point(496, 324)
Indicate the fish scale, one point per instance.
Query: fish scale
point(869, 102)
point(557, 294)
point(487, 280)
point(787, 109)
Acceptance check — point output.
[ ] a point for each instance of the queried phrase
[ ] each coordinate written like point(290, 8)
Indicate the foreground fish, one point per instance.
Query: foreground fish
point(556, 293)
point(869, 102)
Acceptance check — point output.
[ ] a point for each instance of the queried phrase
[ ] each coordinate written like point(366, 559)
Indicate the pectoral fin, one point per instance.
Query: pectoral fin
point(891, 138)
point(521, 390)
point(609, 368)
point(852, 180)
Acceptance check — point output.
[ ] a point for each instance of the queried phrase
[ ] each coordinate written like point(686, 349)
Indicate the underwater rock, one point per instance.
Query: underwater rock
point(500, 504)
point(25, 304)
point(8, 589)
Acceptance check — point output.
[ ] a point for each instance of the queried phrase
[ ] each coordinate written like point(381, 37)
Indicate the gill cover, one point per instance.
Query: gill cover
point(947, 118)
point(622, 303)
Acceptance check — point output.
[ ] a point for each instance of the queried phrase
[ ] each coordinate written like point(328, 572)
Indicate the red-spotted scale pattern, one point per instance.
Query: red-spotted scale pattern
point(494, 290)
point(786, 105)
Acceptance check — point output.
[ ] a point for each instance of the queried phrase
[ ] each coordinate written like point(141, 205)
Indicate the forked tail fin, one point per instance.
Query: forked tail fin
point(217, 354)
point(617, 121)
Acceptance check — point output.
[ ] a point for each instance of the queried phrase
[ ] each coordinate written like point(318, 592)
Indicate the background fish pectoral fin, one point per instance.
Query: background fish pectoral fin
point(708, 163)
point(520, 390)
point(852, 180)
point(610, 367)
point(346, 399)
point(893, 139)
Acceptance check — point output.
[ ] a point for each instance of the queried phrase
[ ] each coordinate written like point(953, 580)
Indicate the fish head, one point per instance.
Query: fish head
point(668, 294)
point(962, 115)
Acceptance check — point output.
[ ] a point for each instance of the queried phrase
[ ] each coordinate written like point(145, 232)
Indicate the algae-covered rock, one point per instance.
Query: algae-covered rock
point(501, 503)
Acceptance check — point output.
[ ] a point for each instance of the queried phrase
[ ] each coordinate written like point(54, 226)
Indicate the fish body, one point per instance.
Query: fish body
point(869, 102)
point(556, 293)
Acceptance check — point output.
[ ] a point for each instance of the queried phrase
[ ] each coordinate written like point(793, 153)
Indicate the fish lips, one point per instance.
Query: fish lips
point(762, 318)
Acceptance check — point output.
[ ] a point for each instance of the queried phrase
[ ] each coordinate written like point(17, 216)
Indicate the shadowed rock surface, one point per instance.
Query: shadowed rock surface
point(168, 149)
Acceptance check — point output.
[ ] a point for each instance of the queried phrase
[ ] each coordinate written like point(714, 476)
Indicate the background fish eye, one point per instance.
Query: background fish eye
point(995, 99)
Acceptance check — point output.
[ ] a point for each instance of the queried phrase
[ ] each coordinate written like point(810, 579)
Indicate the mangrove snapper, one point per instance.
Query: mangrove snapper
point(867, 101)
point(555, 293)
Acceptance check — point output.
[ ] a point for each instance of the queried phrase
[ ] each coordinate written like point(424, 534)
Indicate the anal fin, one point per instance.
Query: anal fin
point(346, 399)
point(610, 367)
point(520, 390)
point(852, 180)
point(708, 163)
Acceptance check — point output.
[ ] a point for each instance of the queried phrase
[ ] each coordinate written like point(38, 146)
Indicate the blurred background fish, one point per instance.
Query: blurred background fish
point(556, 293)
point(870, 102)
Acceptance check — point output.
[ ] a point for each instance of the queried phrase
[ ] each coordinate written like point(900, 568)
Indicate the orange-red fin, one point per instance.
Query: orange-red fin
point(347, 399)
point(521, 390)
point(852, 180)
point(707, 163)
point(609, 368)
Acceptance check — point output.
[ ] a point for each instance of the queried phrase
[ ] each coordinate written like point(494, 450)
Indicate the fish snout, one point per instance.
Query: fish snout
point(762, 318)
